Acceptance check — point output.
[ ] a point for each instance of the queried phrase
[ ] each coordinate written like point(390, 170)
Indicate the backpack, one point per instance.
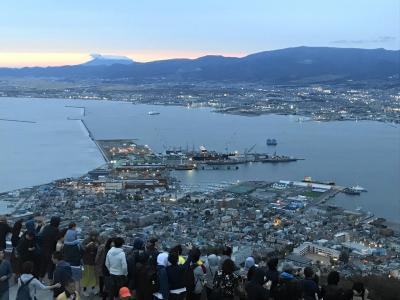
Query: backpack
point(23, 292)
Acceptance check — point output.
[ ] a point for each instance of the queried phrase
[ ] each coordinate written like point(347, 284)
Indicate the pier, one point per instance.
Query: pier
point(19, 121)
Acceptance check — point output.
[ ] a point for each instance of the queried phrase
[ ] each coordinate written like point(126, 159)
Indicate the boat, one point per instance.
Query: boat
point(351, 191)
point(358, 188)
point(272, 142)
point(153, 113)
point(184, 167)
point(308, 179)
point(278, 159)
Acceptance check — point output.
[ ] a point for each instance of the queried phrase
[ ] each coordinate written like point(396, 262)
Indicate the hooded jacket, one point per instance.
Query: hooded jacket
point(116, 262)
point(212, 267)
point(162, 263)
point(255, 289)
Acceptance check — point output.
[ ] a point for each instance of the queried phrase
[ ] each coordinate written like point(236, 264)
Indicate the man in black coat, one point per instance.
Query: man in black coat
point(5, 229)
point(48, 240)
point(255, 289)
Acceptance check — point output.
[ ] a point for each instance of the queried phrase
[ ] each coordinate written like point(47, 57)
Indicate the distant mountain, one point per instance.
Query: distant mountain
point(291, 65)
point(108, 60)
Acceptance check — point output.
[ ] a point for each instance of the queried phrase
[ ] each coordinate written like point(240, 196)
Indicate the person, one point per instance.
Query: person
point(27, 248)
point(227, 281)
point(28, 284)
point(178, 249)
point(72, 253)
point(117, 266)
point(60, 240)
point(100, 266)
point(145, 274)
point(272, 274)
point(48, 240)
point(212, 267)
point(5, 229)
point(62, 272)
point(90, 246)
point(70, 292)
point(5, 275)
point(359, 291)
point(255, 289)
point(288, 287)
point(226, 254)
point(310, 288)
point(124, 293)
point(152, 251)
point(194, 276)
point(133, 263)
point(15, 237)
point(332, 291)
point(162, 263)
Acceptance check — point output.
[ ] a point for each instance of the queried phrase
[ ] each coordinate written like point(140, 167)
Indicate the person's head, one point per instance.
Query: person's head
point(57, 257)
point(124, 293)
point(178, 249)
point(109, 243)
point(333, 278)
point(249, 262)
point(118, 242)
point(27, 267)
point(152, 243)
point(288, 268)
point(93, 235)
point(138, 244)
point(173, 258)
point(227, 251)
point(358, 288)
point(2, 254)
point(195, 254)
point(308, 272)
point(273, 264)
point(3, 219)
point(71, 225)
point(70, 286)
point(55, 221)
point(228, 266)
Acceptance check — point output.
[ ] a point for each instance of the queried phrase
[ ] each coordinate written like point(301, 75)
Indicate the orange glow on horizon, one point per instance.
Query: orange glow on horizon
point(45, 59)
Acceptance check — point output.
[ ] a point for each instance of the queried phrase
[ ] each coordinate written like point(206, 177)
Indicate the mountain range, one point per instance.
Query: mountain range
point(298, 64)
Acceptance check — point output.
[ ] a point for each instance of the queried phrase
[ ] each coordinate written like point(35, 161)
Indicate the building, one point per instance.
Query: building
point(311, 248)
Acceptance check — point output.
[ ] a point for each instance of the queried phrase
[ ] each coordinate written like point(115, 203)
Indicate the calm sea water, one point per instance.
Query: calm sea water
point(349, 153)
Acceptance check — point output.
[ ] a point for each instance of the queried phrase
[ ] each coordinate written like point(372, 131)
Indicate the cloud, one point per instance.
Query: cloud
point(380, 39)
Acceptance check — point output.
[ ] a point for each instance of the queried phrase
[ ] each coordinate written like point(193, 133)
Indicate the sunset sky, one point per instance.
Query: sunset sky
point(49, 32)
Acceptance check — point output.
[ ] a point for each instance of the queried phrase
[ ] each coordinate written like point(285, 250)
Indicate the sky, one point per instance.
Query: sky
point(60, 32)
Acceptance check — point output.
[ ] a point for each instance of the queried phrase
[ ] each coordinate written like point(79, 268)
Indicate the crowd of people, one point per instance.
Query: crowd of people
point(97, 265)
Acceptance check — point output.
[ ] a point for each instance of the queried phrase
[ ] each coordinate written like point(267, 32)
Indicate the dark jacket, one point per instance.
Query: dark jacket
point(48, 236)
point(255, 289)
point(135, 261)
point(176, 275)
point(16, 230)
point(273, 276)
point(5, 270)
point(163, 281)
point(4, 230)
point(332, 292)
point(23, 251)
point(309, 288)
point(289, 288)
point(62, 273)
point(72, 254)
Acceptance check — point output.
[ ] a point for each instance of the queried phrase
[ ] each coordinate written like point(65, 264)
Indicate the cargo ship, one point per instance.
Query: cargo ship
point(153, 113)
point(308, 179)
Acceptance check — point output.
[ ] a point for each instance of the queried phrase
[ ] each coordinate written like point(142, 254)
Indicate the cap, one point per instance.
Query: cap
point(124, 292)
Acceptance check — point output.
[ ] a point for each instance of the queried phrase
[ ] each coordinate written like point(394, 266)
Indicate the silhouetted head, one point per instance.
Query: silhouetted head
point(228, 266)
point(178, 249)
point(173, 258)
point(27, 267)
point(118, 242)
point(55, 221)
point(273, 264)
point(227, 251)
point(195, 254)
point(308, 272)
